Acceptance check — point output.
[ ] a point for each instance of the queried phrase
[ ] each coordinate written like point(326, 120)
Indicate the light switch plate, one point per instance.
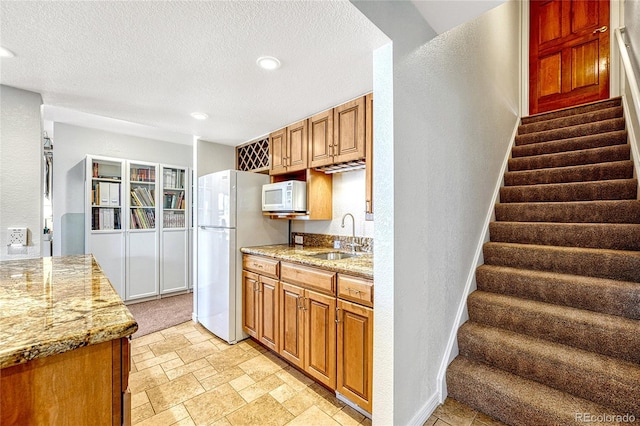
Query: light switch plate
point(17, 236)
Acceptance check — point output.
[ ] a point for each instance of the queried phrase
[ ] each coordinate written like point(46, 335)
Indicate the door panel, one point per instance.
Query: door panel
point(568, 53)
point(320, 336)
point(268, 296)
point(291, 324)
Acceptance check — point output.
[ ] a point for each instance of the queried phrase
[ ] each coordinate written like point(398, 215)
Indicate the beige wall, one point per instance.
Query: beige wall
point(21, 196)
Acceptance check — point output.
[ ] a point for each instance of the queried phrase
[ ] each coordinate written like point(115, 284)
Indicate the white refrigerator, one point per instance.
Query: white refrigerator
point(229, 218)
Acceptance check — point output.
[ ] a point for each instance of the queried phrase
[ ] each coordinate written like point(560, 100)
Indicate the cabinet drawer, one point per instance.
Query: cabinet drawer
point(355, 289)
point(309, 277)
point(261, 265)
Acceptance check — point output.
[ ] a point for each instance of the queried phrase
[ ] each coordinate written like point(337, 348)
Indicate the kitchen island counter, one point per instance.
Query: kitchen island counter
point(49, 306)
point(360, 265)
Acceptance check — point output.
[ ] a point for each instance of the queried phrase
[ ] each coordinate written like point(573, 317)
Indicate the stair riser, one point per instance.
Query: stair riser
point(571, 132)
point(574, 158)
point(502, 396)
point(600, 379)
point(601, 236)
point(610, 264)
point(595, 172)
point(581, 191)
point(578, 212)
point(609, 336)
point(590, 117)
point(605, 296)
point(573, 144)
point(597, 106)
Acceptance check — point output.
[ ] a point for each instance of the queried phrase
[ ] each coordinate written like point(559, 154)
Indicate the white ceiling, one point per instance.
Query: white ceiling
point(155, 62)
point(149, 64)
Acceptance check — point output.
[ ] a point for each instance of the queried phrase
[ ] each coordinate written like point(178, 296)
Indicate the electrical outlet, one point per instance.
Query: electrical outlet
point(17, 236)
point(298, 239)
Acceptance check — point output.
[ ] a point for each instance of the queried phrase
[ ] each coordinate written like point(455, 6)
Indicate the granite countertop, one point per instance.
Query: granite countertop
point(53, 305)
point(360, 265)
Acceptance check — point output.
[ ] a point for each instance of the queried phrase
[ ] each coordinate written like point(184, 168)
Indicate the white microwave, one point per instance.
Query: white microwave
point(289, 196)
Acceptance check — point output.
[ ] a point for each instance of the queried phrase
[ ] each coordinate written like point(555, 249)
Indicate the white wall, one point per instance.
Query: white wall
point(214, 157)
point(21, 195)
point(632, 23)
point(455, 105)
point(71, 145)
point(348, 197)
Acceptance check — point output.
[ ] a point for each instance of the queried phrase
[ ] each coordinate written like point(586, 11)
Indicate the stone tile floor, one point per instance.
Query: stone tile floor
point(185, 375)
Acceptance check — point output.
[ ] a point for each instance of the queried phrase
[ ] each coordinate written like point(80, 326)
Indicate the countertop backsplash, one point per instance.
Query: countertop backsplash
point(325, 240)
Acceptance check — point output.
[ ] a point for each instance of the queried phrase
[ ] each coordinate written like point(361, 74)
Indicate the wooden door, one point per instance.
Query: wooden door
point(349, 131)
point(320, 337)
point(277, 152)
point(297, 146)
point(321, 139)
point(269, 314)
point(292, 324)
point(355, 353)
point(568, 53)
point(250, 303)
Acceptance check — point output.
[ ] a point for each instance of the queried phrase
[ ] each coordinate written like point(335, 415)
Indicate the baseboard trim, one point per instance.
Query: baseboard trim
point(451, 350)
point(425, 412)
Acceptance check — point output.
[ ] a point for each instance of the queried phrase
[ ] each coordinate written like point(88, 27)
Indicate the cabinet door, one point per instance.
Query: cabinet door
point(321, 139)
point(142, 264)
point(349, 131)
point(292, 324)
point(173, 261)
point(297, 146)
point(268, 313)
point(277, 152)
point(320, 337)
point(108, 249)
point(250, 303)
point(355, 353)
point(369, 158)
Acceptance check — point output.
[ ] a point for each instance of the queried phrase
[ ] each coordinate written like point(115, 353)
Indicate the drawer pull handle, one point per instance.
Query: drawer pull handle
point(349, 289)
point(337, 315)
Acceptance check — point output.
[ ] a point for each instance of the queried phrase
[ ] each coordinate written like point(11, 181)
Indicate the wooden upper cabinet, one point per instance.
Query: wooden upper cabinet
point(297, 146)
point(288, 149)
point(321, 139)
point(278, 152)
point(349, 131)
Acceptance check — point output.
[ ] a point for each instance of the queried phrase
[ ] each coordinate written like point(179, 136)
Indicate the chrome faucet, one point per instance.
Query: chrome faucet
point(353, 244)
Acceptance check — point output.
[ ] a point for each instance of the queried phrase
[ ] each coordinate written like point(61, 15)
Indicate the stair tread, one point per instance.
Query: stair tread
point(578, 130)
point(606, 211)
point(576, 173)
point(571, 158)
point(606, 139)
point(611, 189)
point(572, 110)
point(513, 399)
point(572, 120)
point(614, 297)
point(617, 236)
point(592, 331)
point(562, 367)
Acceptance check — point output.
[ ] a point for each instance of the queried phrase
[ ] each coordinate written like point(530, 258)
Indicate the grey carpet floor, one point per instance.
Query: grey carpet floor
point(162, 313)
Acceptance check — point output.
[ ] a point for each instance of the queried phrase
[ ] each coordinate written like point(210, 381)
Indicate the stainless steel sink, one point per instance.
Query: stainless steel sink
point(333, 255)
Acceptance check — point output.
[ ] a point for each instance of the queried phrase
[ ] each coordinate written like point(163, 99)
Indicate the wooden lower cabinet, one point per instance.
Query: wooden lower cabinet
point(355, 353)
point(292, 324)
point(260, 314)
point(85, 386)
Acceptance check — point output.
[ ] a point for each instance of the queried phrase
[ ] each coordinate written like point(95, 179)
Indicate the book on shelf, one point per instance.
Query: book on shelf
point(173, 220)
point(173, 178)
point(142, 219)
point(104, 219)
point(105, 194)
point(143, 197)
point(145, 174)
point(173, 200)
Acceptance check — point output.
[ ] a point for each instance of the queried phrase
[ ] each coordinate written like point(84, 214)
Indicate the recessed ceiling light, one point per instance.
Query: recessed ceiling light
point(268, 62)
point(6, 53)
point(199, 115)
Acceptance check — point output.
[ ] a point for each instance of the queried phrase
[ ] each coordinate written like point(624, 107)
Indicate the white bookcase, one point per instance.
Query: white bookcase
point(141, 242)
point(104, 228)
point(142, 231)
point(174, 229)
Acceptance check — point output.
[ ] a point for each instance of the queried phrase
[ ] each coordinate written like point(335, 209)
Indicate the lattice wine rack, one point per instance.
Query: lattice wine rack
point(253, 156)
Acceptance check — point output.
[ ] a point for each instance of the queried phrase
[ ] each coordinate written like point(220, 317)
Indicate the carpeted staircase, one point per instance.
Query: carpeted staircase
point(553, 335)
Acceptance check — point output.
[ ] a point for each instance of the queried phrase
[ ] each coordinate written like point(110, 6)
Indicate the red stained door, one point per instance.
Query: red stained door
point(568, 53)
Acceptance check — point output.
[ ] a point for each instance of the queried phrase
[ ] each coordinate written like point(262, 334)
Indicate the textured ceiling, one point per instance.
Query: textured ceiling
point(155, 62)
point(444, 15)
